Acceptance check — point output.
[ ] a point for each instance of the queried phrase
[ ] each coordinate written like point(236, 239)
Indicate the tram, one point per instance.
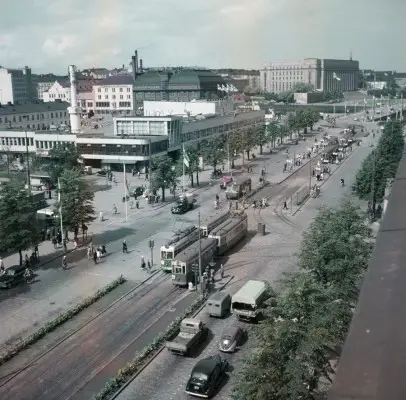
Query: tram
point(239, 188)
point(212, 222)
point(184, 263)
point(230, 232)
point(179, 242)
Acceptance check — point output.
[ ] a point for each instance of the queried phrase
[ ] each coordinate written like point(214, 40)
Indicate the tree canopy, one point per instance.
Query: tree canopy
point(381, 164)
point(61, 157)
point(214, 151)
point(164, 174)
point(18, 222)
point(305, 322)
point(76, 199)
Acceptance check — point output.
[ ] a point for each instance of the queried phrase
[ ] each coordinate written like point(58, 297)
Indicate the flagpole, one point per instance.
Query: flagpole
point(125, 194)
point(183, 164)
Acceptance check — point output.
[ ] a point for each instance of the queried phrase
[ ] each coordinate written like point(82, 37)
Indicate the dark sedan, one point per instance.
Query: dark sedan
point(12, 276)
point(207, 376)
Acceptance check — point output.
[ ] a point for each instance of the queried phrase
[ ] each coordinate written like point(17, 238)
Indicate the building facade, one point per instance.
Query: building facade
point(16, 85)
point(185, 85)
point(324, 75)
point(35, 115)
point(114, 95)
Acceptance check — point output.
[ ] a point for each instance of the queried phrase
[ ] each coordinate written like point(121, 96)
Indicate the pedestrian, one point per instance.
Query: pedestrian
point(125, 251)
point(95, 257)
point(222, 271)
point(146, 176)
point(65, 247)
point(138, 174)
point(101, 216)
point(27, 261)
point(230, 205)
point(54, 242)
point(1, 264)
point(89, 252)
point(142, 262)
point(75, 244)
point(285, 205)
point(137, 204)
point(149, 265)
point(114, 209)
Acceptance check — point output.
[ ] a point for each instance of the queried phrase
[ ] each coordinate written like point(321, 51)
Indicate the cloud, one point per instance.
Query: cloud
point(48, 35)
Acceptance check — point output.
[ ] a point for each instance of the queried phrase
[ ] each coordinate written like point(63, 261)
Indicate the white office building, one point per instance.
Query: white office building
point(114, 95)
point(16, 85)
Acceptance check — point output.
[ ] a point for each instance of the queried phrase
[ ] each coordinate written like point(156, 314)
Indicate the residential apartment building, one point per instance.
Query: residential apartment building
point(34, 115)
point(16, 85)
point(324, 75)
point(114, 95)
point(43, 83)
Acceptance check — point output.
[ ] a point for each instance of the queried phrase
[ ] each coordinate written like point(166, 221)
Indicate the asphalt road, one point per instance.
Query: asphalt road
point(79, 366)
point(166, 376)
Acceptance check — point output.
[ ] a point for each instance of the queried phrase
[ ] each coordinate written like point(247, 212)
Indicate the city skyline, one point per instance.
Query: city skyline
point(63, 32)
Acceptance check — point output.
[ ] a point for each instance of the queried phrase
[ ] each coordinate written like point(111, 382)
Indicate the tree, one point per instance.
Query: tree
point(76, 199)
point(214, 151)
point(163, 174)
point(63, 156)
point(310, 316)
point(381, 164)
point(193, 154)
point(261, 137)
point(302, 87)
point(18, 221)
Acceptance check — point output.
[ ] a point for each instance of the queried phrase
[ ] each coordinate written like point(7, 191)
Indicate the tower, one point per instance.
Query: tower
point(74, 111)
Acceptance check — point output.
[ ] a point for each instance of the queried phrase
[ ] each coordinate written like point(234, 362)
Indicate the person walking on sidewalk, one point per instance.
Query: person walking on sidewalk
point(95, 257)
point(285, 205)
point(125, 251)
point(222, 271)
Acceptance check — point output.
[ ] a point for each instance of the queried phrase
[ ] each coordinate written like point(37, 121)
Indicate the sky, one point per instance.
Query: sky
point(48, 35)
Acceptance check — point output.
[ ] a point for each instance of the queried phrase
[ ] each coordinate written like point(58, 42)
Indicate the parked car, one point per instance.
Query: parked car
point(207, 376)
point(102, 172)
point(231, 338)
point(12, 276)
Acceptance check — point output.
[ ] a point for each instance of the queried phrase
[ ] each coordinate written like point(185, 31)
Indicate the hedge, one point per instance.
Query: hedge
point(59, 320)
point(124, 374)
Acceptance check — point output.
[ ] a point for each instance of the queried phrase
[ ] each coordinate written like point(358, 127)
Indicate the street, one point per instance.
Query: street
point(267, 258)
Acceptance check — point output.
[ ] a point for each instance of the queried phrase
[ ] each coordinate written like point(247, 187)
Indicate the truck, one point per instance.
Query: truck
point(192, 332)
point(247, 302)
point(184, 204)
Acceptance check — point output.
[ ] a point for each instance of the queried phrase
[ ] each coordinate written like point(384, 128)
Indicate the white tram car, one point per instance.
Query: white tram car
point(230, 232)
point(179, 242)
point(182, 266)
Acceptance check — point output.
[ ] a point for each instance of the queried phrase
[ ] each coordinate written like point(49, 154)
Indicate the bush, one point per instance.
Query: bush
point(124, 374)
point(59, 320)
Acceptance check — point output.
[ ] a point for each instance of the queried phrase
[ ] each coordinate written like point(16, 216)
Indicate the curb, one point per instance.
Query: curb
point(124, 387)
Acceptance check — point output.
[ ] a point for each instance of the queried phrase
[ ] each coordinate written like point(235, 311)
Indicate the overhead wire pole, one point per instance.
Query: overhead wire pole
point(60, 206)
point(183, 168)
point(200, 258)
point(28, 163)
point(150, 167)
point(125, 193)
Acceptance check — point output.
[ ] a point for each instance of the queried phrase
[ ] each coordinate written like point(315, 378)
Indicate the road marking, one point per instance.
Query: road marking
point(107, 276)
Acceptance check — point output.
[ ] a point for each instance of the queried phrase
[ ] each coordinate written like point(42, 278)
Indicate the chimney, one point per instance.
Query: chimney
point(141, 68)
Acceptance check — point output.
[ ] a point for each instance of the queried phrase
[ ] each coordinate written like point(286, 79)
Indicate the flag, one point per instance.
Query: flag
point(186, 159)
point(336, 77)
point(59, 197)
point(218, 87)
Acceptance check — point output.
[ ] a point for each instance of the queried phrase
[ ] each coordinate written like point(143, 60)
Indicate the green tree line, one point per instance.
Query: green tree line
point(305, 324)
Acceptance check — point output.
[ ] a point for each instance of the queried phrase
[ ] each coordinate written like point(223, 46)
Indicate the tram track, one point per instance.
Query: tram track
point(100, 345)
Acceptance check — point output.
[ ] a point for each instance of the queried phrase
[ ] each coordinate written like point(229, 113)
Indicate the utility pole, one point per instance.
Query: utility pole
point(60, 205)
point(310, 173)
point(373, 187)
point(125, 193)
point(200, 258)
point(373, 97)
point(150, 167)
point(183, 169)
point(28, 164)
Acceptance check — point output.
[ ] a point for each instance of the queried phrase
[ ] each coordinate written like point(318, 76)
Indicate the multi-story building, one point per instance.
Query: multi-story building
point(95, 73)
point(129, 140)
point(34, 115)
point(324, 75)
point(114, 95)
point(16, 85)
point(43, 83)
point(185, 85)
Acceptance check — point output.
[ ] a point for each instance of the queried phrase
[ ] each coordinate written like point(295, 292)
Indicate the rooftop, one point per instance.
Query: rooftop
point(82, 85)
point(34, 107)
point(116, 80)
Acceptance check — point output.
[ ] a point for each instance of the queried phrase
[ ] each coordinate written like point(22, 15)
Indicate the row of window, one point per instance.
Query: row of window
point(106, 97)
point(27, 117)
point(48, 145)
point(6, 141)
point(113, 89)
point(107, 104)
point(39, 126)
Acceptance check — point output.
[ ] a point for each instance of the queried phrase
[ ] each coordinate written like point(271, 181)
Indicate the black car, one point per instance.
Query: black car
point(207, 376)
point(102, 172)
point(12, 276)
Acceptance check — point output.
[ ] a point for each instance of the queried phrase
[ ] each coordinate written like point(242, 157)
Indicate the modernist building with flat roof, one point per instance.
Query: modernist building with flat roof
point(129, 140)
point(324, 75)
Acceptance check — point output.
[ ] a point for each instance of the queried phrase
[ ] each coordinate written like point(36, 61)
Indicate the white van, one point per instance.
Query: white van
point(249, 299)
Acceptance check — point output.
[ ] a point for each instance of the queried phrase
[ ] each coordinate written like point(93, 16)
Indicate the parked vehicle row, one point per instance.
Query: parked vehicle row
point(208, 373)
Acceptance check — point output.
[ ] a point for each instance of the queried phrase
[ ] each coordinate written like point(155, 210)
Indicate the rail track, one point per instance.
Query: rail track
point(63, 370)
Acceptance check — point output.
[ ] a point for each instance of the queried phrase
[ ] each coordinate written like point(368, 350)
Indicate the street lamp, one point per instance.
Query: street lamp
point(337, 78)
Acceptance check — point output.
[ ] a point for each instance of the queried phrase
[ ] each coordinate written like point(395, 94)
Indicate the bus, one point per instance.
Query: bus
point(179, 242)
point(183, 264)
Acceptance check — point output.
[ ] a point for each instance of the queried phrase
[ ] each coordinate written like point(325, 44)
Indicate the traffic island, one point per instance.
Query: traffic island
point(59, 320)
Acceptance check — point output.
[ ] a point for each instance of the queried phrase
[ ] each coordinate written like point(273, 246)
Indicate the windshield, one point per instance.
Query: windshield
point(199, 376)
point(243, 306)
point(10, 272)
